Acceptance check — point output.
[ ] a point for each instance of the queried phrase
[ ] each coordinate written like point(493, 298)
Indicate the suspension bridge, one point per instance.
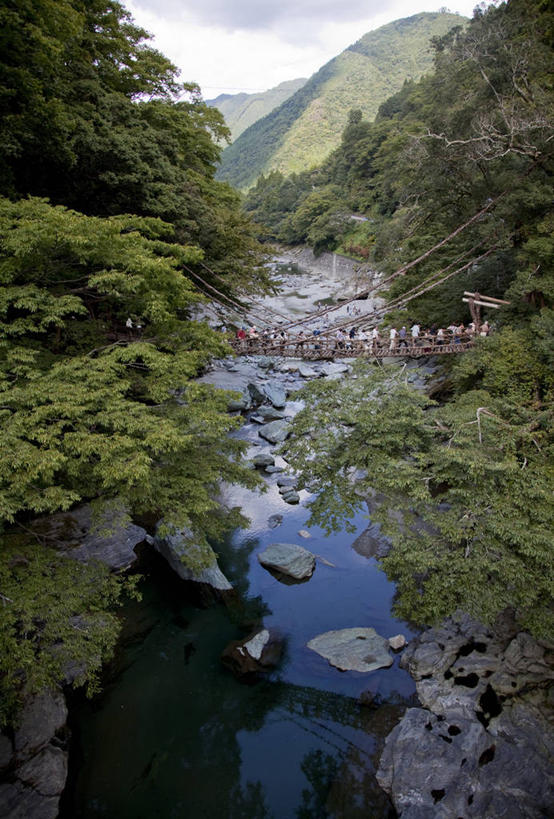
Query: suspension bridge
point(329, 348)
point(339, 339)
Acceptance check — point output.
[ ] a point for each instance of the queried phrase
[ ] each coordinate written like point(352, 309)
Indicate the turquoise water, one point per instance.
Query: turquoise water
point(176, 735)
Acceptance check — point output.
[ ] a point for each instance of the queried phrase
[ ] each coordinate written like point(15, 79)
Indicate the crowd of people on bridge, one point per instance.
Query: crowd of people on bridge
point(374, 340)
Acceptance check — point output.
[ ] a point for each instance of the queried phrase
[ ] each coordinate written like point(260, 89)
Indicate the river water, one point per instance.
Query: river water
point(174, 734)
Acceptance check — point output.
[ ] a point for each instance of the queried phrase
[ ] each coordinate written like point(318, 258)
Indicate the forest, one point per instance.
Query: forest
point(109, 211)
point(464, 479)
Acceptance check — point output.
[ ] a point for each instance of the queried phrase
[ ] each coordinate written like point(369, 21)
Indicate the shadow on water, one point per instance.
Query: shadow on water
point(174, 734)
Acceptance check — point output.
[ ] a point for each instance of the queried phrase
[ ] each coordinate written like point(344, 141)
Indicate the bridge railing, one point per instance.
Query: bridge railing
point(328, 348)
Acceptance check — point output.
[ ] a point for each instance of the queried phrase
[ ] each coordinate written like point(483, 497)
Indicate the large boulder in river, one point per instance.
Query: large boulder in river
point(189, 559)
point(270, 413)
point(483, 742)
point(275, 394)
point(275, 432)
point(259, 652)
point(353, 649)
point(272, 392)
point(288, 559)
point(108, 537)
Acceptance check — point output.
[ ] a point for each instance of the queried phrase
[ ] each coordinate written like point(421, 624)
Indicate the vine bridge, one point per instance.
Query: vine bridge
point(338, 340)
point(329, 348)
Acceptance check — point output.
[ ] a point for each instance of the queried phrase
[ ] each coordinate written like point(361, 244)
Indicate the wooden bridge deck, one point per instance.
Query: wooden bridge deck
point(327, 348)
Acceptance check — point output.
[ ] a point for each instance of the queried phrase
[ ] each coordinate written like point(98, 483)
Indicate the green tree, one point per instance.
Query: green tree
point(464, 489)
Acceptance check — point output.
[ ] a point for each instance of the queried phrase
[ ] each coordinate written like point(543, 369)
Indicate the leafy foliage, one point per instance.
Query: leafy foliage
point(464, 489)
point(108, 209)
point(57, 620)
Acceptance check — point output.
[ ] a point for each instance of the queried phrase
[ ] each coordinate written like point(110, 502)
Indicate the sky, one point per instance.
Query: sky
point(228, 46)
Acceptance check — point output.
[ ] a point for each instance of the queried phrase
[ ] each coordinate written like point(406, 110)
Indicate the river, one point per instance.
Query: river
point(174, 734)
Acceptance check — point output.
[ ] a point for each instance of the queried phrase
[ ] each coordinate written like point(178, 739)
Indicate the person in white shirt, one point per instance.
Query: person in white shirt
point(392, 336)
point(375, 339)
point(414, 329)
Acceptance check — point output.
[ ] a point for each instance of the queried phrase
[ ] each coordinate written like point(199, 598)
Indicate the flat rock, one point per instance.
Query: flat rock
point(263, 459)
point(272, 470)
point(286, 480)
point(83, 538)
point(270, 414)
point(304, 533)
point(276, 431)
point(274, 521)
point(288, 559)
point(306, 371)
point(334, 368)
point(291, 497)
point(353, 649)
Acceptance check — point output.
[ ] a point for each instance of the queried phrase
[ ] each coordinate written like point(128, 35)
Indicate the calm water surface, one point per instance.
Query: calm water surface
point(176, 735)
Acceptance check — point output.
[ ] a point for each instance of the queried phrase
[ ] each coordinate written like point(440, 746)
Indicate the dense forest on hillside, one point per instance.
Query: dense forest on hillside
point(108, 209)
point(466, 487)
point(240, 111)
point(304, 130)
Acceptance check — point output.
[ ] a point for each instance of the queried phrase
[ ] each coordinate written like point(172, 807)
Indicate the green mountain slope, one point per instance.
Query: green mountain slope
point(304, 129)
point(243, 110)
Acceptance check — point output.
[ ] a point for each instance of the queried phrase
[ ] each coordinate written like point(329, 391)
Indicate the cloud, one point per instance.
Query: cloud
point(255, 15)
point(227, 46)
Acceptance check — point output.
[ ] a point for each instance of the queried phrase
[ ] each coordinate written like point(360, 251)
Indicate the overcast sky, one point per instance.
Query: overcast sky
point(227, 46)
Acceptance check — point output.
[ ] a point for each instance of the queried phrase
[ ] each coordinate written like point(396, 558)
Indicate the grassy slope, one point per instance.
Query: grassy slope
point(305, 128)
point(242, 110)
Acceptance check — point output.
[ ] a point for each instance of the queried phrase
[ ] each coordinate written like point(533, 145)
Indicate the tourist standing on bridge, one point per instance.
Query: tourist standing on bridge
point(402, 342)
point(393, 333)
point(414, 330)
point(300, 339)
point(340, 336)
point(375, 339)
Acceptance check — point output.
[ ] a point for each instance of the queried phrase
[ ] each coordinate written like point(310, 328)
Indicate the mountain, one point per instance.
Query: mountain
point(305, 128)
point(242, 110)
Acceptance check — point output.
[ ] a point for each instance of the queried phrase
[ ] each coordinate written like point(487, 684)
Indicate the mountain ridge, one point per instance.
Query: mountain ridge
point(242, 110)
point(305, 128)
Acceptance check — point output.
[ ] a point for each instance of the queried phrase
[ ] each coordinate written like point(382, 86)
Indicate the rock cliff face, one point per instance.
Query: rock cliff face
point(34, 762)
point(481, 745)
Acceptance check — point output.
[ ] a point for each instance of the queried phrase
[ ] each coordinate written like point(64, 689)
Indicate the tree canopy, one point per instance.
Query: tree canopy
point(108, 207)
